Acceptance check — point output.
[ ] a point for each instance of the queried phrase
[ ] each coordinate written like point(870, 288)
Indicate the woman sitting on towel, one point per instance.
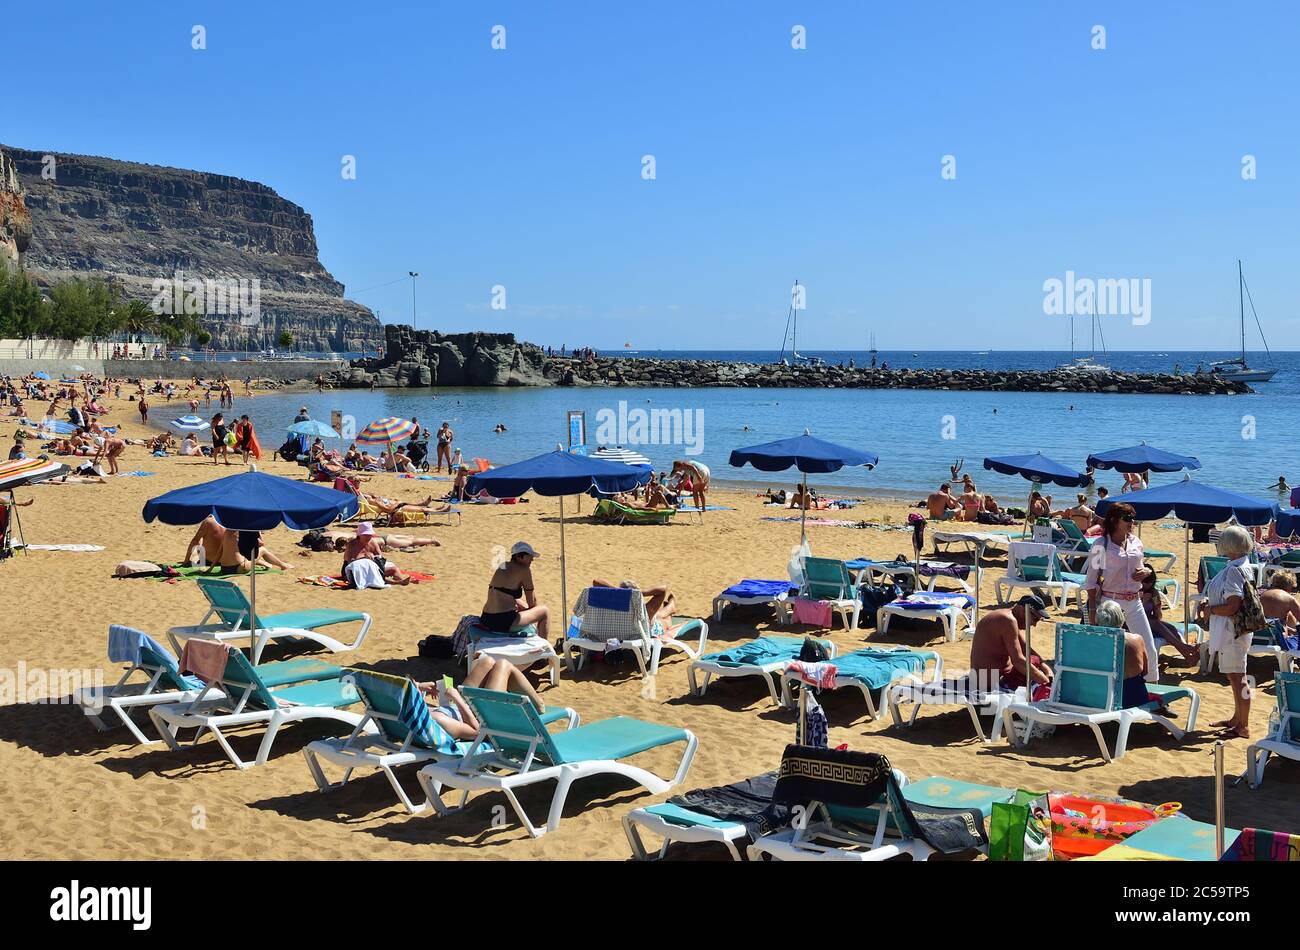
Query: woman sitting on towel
point(449, 709)
point(511, 601)
point(366, 546)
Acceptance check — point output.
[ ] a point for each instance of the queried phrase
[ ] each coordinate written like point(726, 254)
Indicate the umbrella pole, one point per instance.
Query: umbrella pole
point(564, 586)
point(803, 514)
point(1187, 591)
point(254, 648)
point(1220, 818)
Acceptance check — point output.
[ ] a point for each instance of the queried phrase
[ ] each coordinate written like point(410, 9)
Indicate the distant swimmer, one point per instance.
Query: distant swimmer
point(499, 428)
point(1281, 487)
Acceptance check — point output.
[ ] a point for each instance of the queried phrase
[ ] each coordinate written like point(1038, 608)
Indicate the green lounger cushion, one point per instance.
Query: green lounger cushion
point(310, 619)
point(327, 693)
point(283, 672)
point(940, 792)
point(677, 815)
point(615, 738)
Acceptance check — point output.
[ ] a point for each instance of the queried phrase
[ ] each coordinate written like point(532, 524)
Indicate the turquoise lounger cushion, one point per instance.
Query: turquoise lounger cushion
point(326, 693)
point(1168, 694)
point(762, 650)
point(284, 672)
point(615, 738)
point(310, 619)
point(877, 668)
point(1181, 838)
point(677, 815)
point(940, 792)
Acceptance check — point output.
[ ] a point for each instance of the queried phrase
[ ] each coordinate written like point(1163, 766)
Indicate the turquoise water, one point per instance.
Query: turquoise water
point(1244, 442)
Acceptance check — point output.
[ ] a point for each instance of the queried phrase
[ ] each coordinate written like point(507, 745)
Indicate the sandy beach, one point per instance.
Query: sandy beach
point(70, 791)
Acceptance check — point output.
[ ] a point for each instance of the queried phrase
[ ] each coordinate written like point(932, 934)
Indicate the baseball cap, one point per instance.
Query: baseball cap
point(523, 547)
point(1034, 603)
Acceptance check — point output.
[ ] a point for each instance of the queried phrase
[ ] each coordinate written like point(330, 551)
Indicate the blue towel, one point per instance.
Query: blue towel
point(414, 714)
point(610, 598)
point(758, 588)
point(876, 668)
point(756, 651)
point(124, 644)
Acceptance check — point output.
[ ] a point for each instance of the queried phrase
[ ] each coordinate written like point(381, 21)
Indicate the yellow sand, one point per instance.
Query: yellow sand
point(70, 791)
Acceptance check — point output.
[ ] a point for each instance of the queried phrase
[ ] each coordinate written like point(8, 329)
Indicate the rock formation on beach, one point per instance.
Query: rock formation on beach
point(135, 224)
point(428, 358)
point(15, 219)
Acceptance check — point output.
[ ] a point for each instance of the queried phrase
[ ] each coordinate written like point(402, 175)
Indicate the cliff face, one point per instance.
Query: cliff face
point(136, 224)
point(15, 220)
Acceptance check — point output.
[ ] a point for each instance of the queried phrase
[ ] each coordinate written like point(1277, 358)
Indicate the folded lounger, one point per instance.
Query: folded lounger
point(751, 593)
point(513, 749)
point(1037, 566)
point(1087, 690)
point(762, 657)
point(606, 619)
point(953, 692)
point(849, 801)
point(1283, 736)
point(238, 695)
point(407, 735)
point(166, 683)
point(868, 670)
point(955, 612)
point(226, 601)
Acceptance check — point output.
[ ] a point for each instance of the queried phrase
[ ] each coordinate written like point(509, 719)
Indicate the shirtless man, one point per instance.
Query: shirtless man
point(389, 541)
point(229, 552)
point(205, 547)
point(1280, 601)
point(941, 504)
point(997, 652)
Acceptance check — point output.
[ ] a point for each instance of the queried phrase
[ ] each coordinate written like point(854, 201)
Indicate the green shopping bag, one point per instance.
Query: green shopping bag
point(1021, 830)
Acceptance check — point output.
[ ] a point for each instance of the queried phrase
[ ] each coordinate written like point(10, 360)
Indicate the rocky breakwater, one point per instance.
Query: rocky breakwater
point(137, 225)
point(429, 358)
point(681, 373)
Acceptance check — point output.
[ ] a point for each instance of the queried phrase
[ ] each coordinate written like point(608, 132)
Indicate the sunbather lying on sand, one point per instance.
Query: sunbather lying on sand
point(450, 710)
point(388, 541)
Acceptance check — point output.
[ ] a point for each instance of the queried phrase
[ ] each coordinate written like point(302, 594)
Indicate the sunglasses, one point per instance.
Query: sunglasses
point(1127, 518)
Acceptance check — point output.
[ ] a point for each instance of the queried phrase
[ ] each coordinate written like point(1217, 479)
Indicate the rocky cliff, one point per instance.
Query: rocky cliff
point(428, 358)
point(137, 224)
point(15, 220)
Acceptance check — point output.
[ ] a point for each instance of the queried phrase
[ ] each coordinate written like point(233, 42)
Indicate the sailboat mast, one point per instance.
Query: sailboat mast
point(794, 339)
point(1241, 305)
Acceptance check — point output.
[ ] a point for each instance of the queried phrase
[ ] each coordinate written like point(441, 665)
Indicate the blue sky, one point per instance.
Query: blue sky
point(523, 167)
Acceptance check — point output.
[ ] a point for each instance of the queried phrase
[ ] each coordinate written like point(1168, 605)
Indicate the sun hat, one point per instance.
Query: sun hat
point(365, 529)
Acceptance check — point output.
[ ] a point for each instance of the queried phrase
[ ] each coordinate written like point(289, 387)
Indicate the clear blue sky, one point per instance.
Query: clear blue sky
point(522, 167)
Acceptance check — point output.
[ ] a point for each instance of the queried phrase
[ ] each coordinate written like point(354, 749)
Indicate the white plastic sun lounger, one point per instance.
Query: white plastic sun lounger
point(763, 657)
point(954, 612)
point(1283, 730)
point(939, 692)
point(850, 669)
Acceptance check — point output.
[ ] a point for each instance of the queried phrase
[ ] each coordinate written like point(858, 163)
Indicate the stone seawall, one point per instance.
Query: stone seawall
point(282, 372)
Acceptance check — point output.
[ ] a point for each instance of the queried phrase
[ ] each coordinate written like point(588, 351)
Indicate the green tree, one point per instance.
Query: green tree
point(203, 338)
point(285, 340)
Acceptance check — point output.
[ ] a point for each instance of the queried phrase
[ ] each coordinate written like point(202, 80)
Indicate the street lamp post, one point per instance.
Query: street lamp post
point(412, 274)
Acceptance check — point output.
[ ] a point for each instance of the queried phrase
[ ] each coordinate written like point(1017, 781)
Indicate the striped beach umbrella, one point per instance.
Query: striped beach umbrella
point(386, 432)
point(190, 424)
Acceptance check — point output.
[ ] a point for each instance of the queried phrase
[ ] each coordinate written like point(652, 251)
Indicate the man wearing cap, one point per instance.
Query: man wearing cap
point(997, 652)
point(17, 453)
point(511, 601)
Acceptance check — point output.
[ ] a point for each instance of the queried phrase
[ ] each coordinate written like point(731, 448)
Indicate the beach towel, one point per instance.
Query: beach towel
point(135, 474)
point(338, 582)
point(816, 730)
point(65, 547)
point(413, 712)
point(748, 802)
point(206, 659)
point(814, 612)
point(364, 573)
point(125, 643)
point(504, 645)
point(821, 675)
point(758, 588)
point(878, 668)
point(923, 600)
point(1256, 844)
point(762, 650)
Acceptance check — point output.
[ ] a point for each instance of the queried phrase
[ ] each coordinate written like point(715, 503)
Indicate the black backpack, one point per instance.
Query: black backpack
point(875, 596)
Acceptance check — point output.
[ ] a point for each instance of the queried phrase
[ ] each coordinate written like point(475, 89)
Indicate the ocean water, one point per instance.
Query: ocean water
point(1244, 442)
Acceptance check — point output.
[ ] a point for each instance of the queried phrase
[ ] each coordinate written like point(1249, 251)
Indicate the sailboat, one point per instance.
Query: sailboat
point(1085, 364)
point(792, 334)
point(1236, 368)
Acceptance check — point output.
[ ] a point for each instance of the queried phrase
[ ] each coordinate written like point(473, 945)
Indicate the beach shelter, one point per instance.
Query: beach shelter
point(253, 501)
point(1192, 503)
point(190, 424)
point(554, 475)
point(808, 454)
point(385, 432)
point(620, 454)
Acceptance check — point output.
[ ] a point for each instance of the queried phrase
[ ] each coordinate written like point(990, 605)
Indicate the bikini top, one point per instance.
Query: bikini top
point(515, 592)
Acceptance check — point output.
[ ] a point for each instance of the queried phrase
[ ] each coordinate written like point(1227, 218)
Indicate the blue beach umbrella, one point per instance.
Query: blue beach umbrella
point(553, 475)
point(40, 375)
point(1039, 469)
point(1288, 520)
point(190, 423)
point(313, 428)
point(1193, 503)
point(253, 501)
point(806, 453)
point(1143, 458)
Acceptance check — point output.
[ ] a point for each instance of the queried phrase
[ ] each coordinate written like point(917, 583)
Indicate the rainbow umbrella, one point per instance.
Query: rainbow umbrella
point(386, 432)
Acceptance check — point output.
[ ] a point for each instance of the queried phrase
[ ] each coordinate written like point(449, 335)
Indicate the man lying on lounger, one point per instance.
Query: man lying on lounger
point(660, 604)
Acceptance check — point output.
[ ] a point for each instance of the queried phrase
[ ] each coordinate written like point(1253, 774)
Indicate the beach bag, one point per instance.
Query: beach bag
point(1251, 615)
point(873, 598)
point(1021, 830)
point(437, 648)
point(136, 569)
point(1043, 531)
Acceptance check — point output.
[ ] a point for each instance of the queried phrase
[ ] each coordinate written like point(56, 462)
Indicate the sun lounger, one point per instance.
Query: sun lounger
point(729, 815)
point(953, 692)
point(979, 542)
point(1271, 642)
point(226, 602)
point(750, 593)
point(513, 750)
point(522, 647)
point(607, 619)
point(865, 571)
point(1283, 736)
point(240, 695)
point(762, 657)
point(612, 511)
point(871, 670)
point(407, 735)
point(829, 580)
point(166, 684)
point(954, 612)
point(1038, 567)
point(1087, 690)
